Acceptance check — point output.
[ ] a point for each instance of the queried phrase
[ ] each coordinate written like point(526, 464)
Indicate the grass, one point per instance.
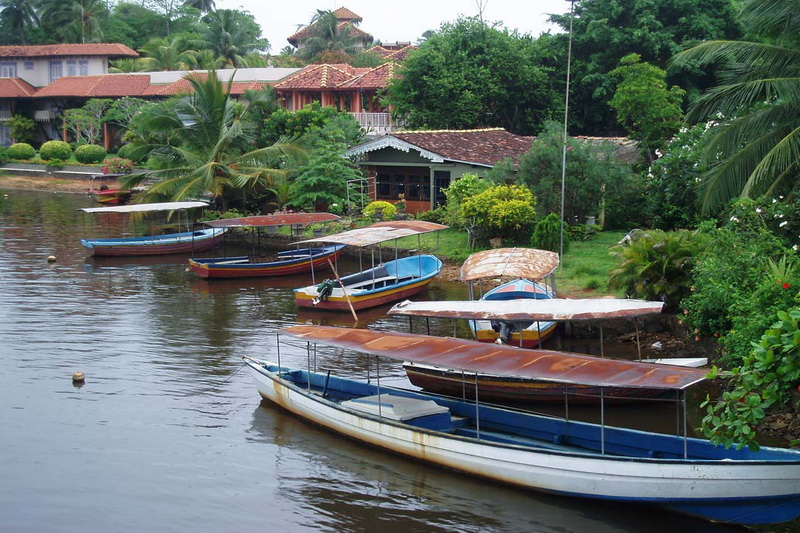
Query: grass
point(585, 266)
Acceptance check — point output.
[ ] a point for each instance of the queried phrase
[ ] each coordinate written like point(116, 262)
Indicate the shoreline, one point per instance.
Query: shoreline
point(48, 184)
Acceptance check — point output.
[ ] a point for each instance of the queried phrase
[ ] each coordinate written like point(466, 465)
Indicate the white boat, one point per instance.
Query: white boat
point(528, 450)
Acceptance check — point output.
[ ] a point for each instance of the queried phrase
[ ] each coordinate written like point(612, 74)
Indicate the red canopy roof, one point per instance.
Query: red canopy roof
point(472, 356)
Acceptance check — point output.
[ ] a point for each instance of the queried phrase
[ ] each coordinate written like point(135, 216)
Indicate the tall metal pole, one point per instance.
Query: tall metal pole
point(564, 147)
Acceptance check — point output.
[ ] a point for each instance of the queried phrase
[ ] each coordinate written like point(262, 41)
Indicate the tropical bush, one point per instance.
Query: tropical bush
point(547, 234)
point(740, 280)
point(3, 154)
point(322, 181)
point(658, 265)
point(90, 153)
point(503, 210)
point(117, 165)
point(457, 192)
point(23, 129)
point(22, 151)
point(388, 210)
point(55, 150)
point(766, 378)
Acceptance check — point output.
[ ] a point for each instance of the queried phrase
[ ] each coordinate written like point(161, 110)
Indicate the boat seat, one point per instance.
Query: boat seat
point(231, 262)
point(369, 282)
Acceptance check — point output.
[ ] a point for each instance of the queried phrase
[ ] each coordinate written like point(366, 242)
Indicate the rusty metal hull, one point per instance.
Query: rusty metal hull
point(543, 453)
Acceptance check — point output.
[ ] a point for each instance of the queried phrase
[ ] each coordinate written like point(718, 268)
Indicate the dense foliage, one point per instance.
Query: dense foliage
point(322, 181)
point(547, 234)
point(90, 153)
point(380, 210)
point(757, 101)
point(470, 75)
point(21, 151)
point(506, 211)
point(55, 150)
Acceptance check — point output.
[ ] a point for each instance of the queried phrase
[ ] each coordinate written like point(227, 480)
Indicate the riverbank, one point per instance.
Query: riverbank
point(47, 183)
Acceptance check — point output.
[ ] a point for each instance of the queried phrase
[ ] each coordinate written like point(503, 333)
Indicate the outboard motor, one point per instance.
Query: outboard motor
point(324, 290)
point(504, 332)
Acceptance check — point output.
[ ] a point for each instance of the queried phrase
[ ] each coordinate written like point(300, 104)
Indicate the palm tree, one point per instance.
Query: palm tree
point(168, 54)
point(18, 16)
point(207, 150)
point(205, 6)
point(327, 36)
point(78, 20)
point(231, 37)
point(755, 150)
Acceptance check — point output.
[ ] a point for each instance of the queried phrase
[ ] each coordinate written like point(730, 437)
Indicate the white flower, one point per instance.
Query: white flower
point(758, 209)
point(734, 219)
point(794, 247)
point(774, 201)
point(782, 224)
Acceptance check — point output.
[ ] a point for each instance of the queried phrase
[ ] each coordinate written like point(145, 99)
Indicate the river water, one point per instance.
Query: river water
point(168, 432)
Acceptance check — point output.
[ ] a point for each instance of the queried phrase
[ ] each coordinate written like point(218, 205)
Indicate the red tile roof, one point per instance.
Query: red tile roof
point(67, 50)
point(104, 86)
point(345, 14)
point(396, 52)
point(374, 78)
point(484, 146)
point(15, 88)
point(324, 76)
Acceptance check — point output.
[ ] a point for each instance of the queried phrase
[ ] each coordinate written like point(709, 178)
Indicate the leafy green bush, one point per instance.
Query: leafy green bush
point(739, 282)
point(3, 154)
point(55, 150)
point(502, 210)
point(90, 153)
point(547, 234)
point(388, 210)
point(766, 377)
point(657, 265)
point(23, 129)
point(21, 151)
point(435, 215)
point(54, 164)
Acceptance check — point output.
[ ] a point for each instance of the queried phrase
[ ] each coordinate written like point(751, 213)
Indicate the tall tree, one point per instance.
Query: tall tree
point(168, 54)
point(231, 35)
point(76, 21)
point(470, 75)
point(755, 150)
point(205, 6)
point(650, 112)
point(203, 144)
point(605, 31)
point(18, 16)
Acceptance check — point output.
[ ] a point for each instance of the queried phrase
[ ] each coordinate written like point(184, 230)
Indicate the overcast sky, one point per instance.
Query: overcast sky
point(403, 21)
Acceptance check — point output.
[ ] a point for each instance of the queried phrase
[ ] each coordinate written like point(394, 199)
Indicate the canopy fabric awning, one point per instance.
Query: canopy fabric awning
point(144, 208)
point(379, 232)
point(483, 358)
point(525, 263)
point(281, 219)
point(558, 309)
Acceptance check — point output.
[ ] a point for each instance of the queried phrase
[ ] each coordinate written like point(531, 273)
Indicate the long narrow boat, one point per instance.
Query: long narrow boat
point(529, 450)
point(504, 388)
point(527, 267)
point(287, 262)
point(168, 243)
point(382, 283)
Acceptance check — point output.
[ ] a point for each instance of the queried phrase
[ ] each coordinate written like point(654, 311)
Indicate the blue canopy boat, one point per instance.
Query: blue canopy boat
point(525, 449)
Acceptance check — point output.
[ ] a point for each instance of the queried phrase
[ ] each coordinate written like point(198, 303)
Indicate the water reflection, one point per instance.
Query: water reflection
point(168, 432)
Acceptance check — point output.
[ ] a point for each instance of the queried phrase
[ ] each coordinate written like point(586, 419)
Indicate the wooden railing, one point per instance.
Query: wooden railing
point(376, 123)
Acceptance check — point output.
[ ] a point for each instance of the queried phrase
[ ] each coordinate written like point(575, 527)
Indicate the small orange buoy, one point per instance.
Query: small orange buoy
point(51, 259)
point(78, 377)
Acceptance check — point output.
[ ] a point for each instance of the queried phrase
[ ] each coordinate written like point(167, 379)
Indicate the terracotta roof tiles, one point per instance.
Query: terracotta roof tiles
point(15, 88)
point(374, 78)
point(482, 146)
point(67, 50)
point(324, 76)
point(104, 86)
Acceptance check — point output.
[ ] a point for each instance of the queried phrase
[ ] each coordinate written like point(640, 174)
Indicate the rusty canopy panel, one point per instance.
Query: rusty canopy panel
point(379, 232)
point(529, 310)
point(282, 219)
point(525, 263)
point(478, 357)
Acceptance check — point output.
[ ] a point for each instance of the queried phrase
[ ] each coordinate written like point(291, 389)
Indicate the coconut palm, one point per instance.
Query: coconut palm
point(231, 36)
point(205, 6)
point(168, 54)
point(204, 146)
point(755, 150)
point(75, 21)
point(18, 16)
point(327, 36)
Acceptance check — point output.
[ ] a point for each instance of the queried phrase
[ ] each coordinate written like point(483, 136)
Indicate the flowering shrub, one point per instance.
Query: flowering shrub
point(117, 165)
point(389, 210)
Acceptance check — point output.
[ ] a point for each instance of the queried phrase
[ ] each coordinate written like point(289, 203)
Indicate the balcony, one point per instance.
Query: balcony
point(376, 123)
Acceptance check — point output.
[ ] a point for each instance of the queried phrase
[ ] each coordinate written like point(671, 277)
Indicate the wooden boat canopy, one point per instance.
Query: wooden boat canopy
point(379, 232)
point(477, 357)
point(531, 310)
point(282, 219)
point(526, 263)
point(144, 208)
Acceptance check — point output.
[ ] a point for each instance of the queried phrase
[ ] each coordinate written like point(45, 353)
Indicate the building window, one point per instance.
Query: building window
point(56, 70)
point(84, 67)
point(72, 67)
point(8, 70)
point(29, 65)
